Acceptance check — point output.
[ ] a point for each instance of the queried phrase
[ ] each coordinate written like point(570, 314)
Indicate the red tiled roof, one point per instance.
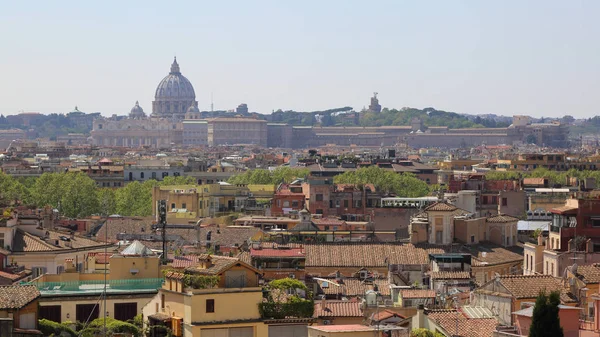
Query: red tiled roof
point(337, 309)
point(449, 320)
point(385, 314)
point(270, 252)
point(440, 207)
point(501, 218)
point(450, 275)
point(182, 262)
point(328, 222)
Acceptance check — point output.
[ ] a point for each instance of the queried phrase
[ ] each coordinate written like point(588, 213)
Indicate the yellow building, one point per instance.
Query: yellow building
point(227, 306)
point(133, 280)
point(198, 201)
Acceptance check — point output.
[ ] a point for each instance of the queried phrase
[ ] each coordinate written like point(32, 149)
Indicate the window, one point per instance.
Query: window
point(83, 312)
point(2, 240)
point(142, 175)
point(319, 211)
point(125, 311)
point(51, 312)
point(590, 311)
point(345, 203)
point(210, 305)
point(165, 174)
point(472, 238)
point(162, 301)
point(295, 203)
point(184, 205)
point(494, 200)
point(153, 175)
point(504, 201)
point(173, 206)
point(286, 204)
point(319, 197)
point(485, 199)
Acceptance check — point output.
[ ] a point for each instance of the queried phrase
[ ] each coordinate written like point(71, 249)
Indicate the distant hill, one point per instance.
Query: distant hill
point(429, 116)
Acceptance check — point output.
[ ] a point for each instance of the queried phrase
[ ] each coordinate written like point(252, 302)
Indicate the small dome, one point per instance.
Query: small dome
point(193, 108)
point(137, 111)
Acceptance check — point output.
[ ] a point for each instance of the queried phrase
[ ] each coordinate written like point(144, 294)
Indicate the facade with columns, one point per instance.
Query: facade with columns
point(137, 130)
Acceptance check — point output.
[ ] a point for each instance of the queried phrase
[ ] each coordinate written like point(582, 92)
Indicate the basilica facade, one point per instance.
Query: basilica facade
point(174, 97)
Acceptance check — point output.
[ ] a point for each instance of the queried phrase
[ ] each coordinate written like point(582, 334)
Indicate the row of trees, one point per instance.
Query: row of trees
point(554, 177)
point(261, 176)
point(77, 195)
point(403, 185)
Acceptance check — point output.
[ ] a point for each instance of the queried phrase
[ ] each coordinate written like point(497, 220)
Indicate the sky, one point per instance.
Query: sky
point(539, 58)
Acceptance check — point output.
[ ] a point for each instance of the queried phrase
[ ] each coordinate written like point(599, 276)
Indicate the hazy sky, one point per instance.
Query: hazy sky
point(506, 57)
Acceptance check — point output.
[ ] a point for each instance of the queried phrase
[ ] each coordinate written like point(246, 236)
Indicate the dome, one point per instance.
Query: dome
point(174, 94)
point(137, 111)
point(175, 85)
point(193, 108)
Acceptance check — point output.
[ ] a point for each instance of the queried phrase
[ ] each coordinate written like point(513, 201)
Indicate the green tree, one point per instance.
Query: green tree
point(403, 185)
point(12, 192)
point(48, 189)
point(107, 201)
point(545, 321)
point(135, 199)
point(80, 197)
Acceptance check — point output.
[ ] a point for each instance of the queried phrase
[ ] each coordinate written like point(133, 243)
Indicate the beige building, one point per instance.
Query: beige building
point(238, 130)
point(133, 280)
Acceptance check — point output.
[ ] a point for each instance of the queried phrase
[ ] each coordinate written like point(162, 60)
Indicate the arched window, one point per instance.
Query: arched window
point(142, 175)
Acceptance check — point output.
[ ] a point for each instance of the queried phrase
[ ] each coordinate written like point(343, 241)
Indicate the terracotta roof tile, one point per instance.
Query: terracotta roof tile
point(449, 320)
point(219, 264)
point(17, 296)
point(337, 309)
point(364, 255)
point(501, 218)
point(529, 286)
point(589, 274)
point(352, 287)
point(440, 207)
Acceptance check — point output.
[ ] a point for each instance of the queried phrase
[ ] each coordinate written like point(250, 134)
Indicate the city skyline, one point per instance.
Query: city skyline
point(474, 58)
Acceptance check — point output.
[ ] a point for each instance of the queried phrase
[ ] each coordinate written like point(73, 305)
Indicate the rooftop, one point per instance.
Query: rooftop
point(452, 320)
point(17, 296)
point(330, 308)
point(364, 254)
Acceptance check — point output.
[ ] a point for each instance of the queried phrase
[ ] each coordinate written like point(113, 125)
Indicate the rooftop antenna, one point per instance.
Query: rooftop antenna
point(211, 102)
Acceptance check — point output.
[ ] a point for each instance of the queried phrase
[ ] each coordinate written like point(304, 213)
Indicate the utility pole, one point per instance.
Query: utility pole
point(162, 222)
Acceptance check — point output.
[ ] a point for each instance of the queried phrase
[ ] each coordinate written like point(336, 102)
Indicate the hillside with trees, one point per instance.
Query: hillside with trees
point(429, 116)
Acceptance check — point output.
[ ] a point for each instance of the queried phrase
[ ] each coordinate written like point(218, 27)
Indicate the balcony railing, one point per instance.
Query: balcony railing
point(554, 229)
point(95, 286)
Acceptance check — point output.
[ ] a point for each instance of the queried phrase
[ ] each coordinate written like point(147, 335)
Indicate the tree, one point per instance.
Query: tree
point(545, 321)
point(403, 185)
point(80, 197)
point(135, 199)
point(107, 201)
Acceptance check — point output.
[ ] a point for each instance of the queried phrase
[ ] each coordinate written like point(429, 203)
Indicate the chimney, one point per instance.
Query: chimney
point(323, 303)
point(589, 246)
point(540, 239)
point(420, 316)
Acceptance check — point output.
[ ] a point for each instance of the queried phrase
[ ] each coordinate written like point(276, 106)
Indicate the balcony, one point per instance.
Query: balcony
point(48, 289)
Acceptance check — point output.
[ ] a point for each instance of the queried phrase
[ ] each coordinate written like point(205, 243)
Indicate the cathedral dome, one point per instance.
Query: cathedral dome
point(174, 94)
point(137, 111)
point(175, 85)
